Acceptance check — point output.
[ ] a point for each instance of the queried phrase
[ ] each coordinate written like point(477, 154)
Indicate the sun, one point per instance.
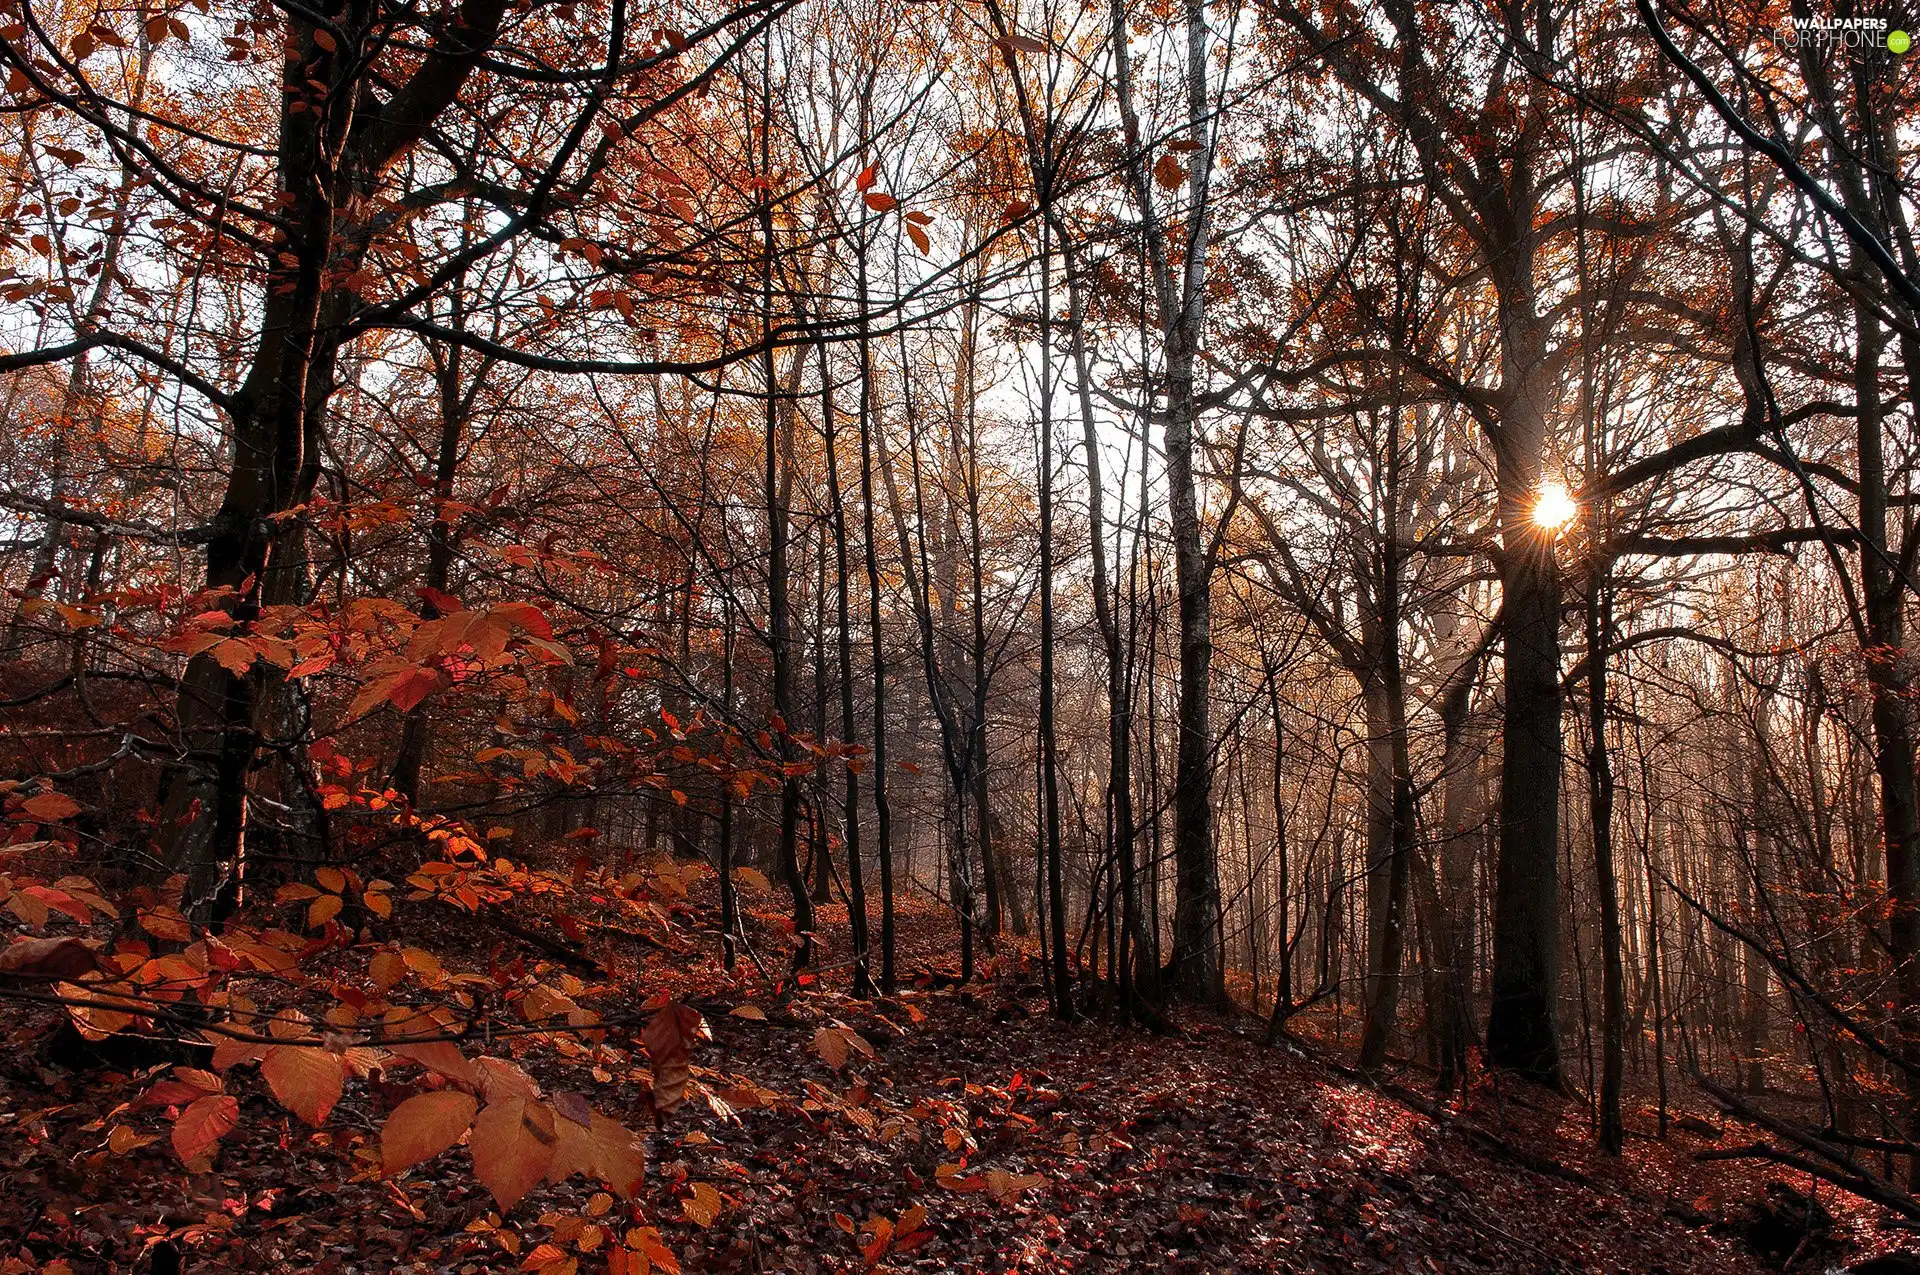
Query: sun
point(1554, 508)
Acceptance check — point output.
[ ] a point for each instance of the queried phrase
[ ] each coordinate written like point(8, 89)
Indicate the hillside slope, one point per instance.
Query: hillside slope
point(978, 1134)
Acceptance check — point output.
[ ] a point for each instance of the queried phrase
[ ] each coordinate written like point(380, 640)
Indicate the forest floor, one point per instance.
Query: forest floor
point(1031, 1145)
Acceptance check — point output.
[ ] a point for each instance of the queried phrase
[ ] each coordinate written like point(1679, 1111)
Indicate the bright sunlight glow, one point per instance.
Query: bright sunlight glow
point(1553, 508)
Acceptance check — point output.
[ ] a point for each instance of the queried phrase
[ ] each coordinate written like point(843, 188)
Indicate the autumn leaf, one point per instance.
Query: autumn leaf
point(669, 1037)
point(166, 923)
point(50, 807)
point(1021, 44)
point(836, 1044)
point(919, 237)
point(444, 1058)
point(307, 1079)
point(618, 1156)
point(323, 909)
point(643, 1254)
point(386, 968)
point(1168, 172)
point(500, 1079)
point(60, 958)
point(203, 1124)
point(704, 1206)
point(881, 1232)
point(880, 201)
point(1004, 1186)
point(910, 1231)
point(234, 655)
point(512, 1146)
point(597, 1146)
point(423, 1126)
point(955, 1178)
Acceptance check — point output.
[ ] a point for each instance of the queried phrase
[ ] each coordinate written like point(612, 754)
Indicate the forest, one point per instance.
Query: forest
point(959, 635)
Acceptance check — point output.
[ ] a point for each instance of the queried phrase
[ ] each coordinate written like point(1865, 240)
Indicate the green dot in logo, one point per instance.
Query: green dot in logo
point(1898, 41)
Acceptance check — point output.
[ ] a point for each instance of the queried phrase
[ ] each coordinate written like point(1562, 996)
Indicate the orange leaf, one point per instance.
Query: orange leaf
point(386, 968)
point(600, 1147)
point(234, 655)
point(512, 1146)
point(704, 1206)
point(166, 923)
point(306, 1079)
point(442, 1057)
point(880, 201)
point(51, 806)
point(323, 909)
point(423, 1126)
point(414, 686)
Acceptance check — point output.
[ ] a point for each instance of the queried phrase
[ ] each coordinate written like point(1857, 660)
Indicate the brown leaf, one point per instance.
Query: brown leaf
point(669, 1038)
point(836, 1044)
point(49, 958)
point(1004, 1186)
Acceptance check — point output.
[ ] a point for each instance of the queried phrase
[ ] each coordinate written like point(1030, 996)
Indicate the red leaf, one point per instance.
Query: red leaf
point(203, 1124)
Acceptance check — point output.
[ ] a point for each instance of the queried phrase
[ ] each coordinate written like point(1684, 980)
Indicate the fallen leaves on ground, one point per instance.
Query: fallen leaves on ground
point(954, 1130)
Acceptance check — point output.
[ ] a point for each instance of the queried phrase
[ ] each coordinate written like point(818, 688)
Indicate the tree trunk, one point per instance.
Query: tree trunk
point(1522, 1028)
